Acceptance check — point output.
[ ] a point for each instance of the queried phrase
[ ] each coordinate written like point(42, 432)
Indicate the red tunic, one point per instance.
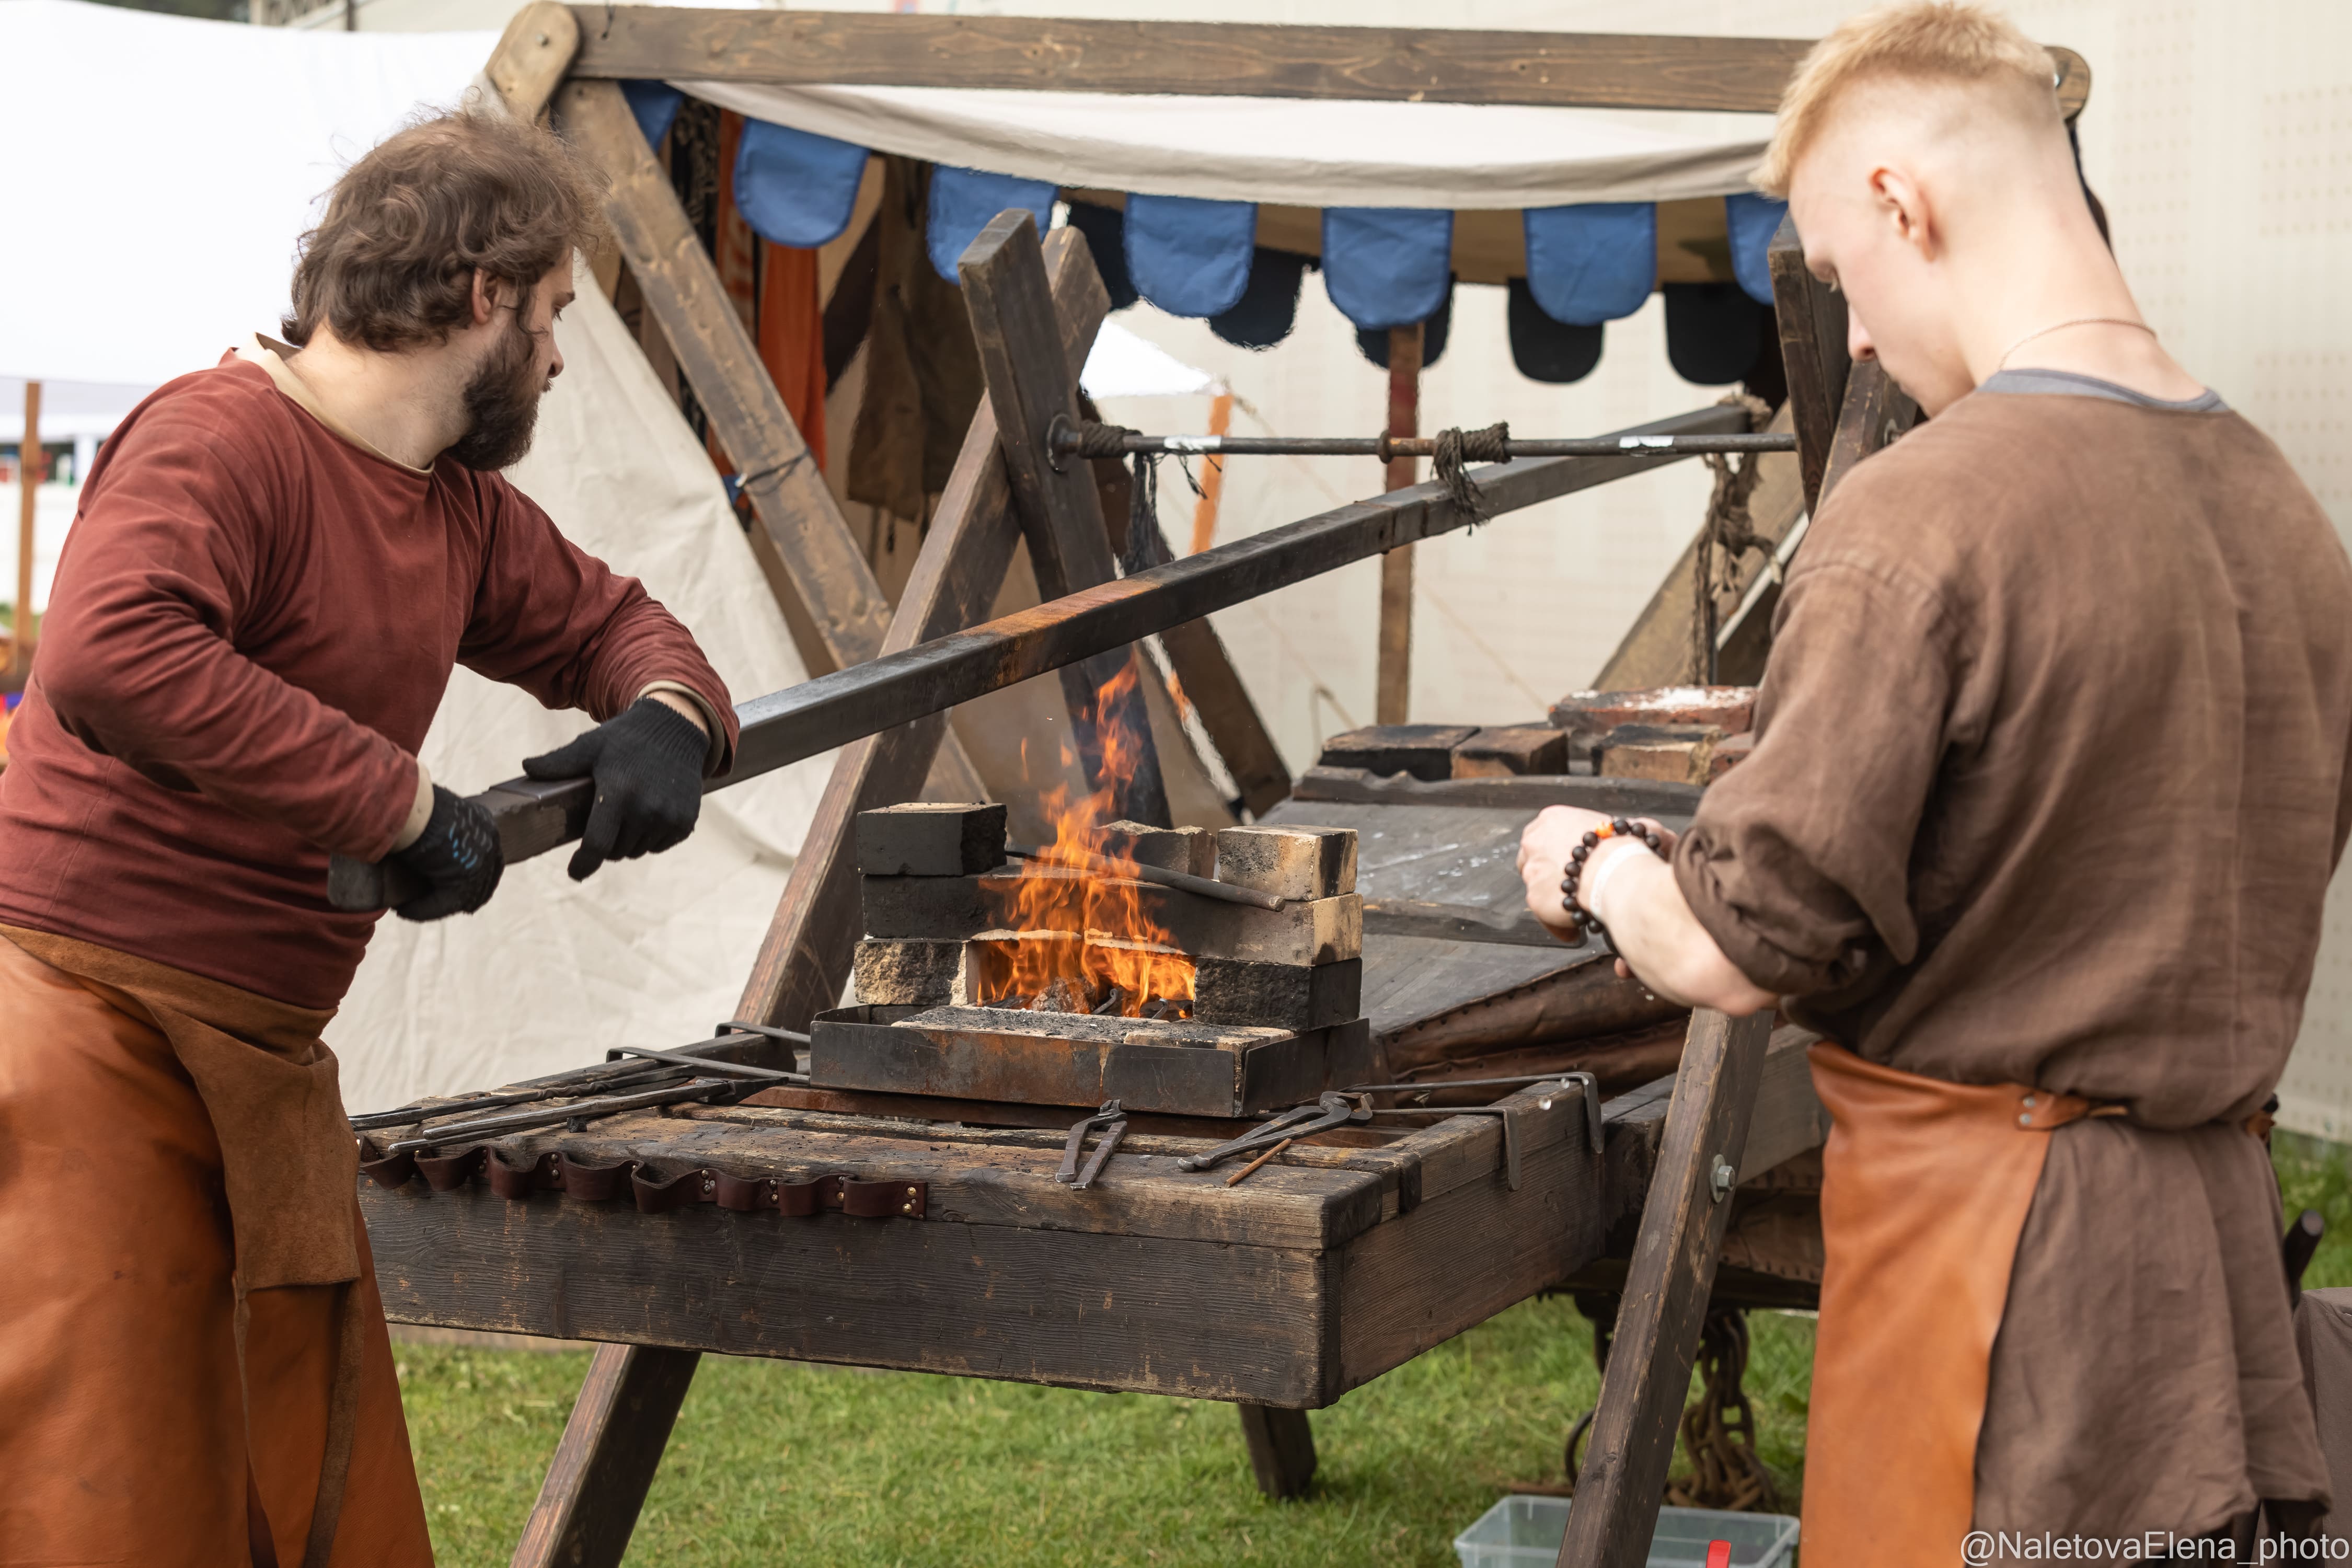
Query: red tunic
point(253, 622)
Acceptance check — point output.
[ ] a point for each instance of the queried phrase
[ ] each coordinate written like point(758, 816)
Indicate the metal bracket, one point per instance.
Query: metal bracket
point(1111, 1122)
point(1593, 1131)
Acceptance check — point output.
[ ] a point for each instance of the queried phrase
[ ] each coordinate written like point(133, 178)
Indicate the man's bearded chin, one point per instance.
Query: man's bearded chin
point(501, 406)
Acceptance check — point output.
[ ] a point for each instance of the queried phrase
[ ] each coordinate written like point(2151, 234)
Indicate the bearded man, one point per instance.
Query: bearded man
point(276, 565)
point(2049, 779)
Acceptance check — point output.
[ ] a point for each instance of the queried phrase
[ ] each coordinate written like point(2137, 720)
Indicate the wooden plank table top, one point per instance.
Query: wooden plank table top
point(1328, 1266)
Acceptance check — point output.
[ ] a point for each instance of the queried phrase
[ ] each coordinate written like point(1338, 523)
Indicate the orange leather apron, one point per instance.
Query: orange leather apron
point(1924, 1190)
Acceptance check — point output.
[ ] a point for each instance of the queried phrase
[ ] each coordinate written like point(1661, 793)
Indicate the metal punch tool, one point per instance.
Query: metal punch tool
point(1111, 1122)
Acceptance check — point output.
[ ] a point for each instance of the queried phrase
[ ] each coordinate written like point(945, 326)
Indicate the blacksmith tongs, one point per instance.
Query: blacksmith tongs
point(1331, 1109)
point(1111, 1122)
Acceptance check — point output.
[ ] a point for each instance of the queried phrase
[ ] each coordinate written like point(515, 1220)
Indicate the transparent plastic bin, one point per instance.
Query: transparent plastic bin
point(1525, 1533)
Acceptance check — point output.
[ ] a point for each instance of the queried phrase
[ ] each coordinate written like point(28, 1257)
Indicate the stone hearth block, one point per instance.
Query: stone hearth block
point(1289, 862)
point(1302, 932)
point(1729, 708)
point(1192, 850)
point(1277, 995)
point(912, 972)
point(922, 839)
point(1509, 750)
point(1423, 750)
point(949, 908)
point(1678, 753)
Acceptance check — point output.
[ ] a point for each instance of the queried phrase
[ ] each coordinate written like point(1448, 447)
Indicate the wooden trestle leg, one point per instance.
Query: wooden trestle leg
point(1664, 1306)
point(1281, 1448)
point(605, 1463)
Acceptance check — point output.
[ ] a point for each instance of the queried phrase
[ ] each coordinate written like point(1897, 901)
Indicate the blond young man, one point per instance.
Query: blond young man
point(2049, 779)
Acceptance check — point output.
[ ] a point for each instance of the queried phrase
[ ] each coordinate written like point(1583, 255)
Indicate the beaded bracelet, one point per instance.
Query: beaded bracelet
point(1618, 827)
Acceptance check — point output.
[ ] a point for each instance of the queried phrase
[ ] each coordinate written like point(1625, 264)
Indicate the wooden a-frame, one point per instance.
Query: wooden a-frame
point(553, 57)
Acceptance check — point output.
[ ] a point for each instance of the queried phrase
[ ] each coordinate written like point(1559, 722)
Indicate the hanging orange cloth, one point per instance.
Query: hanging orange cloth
point(791, 337)
point(1924, 1190)
point(774, 289)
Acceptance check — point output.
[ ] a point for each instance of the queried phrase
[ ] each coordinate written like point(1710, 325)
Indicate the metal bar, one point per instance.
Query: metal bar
point(628, 1076)
point(741, 1070)
point(1068, 440)
point(1207, 886)
point(586, 1109)
point(814, 717)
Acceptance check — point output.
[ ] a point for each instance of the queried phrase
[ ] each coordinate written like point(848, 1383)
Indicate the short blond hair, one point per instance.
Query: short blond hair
point(1932, 40)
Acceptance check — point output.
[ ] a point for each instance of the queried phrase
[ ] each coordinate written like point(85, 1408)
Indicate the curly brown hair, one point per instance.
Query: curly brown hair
point(392, 264)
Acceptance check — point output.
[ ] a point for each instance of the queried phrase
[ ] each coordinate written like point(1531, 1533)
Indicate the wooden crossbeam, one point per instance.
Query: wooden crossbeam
point(1811, 317)
point(1602, 70)
point(1031, 385)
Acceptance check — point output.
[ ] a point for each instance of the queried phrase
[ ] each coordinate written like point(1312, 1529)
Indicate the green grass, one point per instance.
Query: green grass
point(778, 1462)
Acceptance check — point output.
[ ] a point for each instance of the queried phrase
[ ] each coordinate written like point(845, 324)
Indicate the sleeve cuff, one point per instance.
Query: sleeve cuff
point(420, 811)
point(712, 727)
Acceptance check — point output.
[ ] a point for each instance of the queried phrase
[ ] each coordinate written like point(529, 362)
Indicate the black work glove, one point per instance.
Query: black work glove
point(459, 856)
point(647, 764)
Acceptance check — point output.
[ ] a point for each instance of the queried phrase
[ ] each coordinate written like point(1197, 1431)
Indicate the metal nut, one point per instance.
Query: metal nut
point(1721, 1177)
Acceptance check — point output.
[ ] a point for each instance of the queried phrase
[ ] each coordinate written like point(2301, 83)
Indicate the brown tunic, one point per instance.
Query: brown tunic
point(2049, 782)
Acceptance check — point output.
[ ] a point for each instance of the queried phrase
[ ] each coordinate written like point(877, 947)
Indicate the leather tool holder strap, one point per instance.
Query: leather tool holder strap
point(652, 1192)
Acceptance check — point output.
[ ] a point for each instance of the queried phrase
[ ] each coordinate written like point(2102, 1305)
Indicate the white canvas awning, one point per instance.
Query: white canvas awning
point(1284, 151)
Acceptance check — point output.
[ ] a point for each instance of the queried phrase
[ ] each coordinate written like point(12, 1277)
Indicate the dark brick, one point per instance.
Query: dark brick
point(1423, 750)
point(1678, 753)
point(951, 909)
point(1506, 750)
point(1277, 995)
point(924, 839)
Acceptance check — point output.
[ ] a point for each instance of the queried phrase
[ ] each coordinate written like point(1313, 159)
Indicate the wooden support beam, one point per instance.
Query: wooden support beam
point(813, 564)
point(1604, 70)
point(1393, 688)
point(1281, 1445)
point(805, 955)
point(531, 57)
point(1656, 651)
point(1197, 656)
point(1664, 1304)
point(1811, 317)
point(605, 1463)
point(1030, 386)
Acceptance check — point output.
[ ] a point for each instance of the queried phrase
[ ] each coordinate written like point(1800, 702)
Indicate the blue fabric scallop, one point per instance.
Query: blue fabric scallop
point(963, 200)
point(1187, 255)
point(654, 104)
point(1593, 262)
point(1752, 221)
point(795, 187)
point(1387, 267)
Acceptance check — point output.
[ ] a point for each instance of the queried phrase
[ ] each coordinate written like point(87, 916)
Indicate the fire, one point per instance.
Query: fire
point(1083, 941)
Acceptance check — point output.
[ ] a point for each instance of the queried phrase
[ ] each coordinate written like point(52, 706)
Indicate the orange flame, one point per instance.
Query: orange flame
point(1083, 933)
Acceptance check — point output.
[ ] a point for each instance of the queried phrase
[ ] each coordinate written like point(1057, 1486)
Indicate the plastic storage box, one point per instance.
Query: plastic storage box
point(1525, 1533)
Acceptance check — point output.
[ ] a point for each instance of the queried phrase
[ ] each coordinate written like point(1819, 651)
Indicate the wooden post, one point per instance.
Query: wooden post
point(1212, 475)
point(1811, 317)
point(21, 634)
point(805, 955)
point(1666, 1287)
point(1030, 386)
point(605, 1460)
point(531, 57)
point(1281, 1443)
point(1394, 693)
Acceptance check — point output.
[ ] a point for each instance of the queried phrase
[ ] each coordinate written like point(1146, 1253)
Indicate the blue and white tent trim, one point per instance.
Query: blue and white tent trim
point(1179, 198)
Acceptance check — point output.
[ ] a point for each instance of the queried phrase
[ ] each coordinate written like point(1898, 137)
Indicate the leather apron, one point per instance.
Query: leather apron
point(1924, 1190)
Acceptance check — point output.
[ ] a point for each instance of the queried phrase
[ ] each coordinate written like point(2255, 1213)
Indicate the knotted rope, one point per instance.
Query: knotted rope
point(1725, 537)
point(1455, 449)
point(1096, 439)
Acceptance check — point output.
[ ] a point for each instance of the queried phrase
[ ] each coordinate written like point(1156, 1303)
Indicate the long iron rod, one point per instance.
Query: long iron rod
point(818, 715)
point(583, 1110)
point(1067, 440)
